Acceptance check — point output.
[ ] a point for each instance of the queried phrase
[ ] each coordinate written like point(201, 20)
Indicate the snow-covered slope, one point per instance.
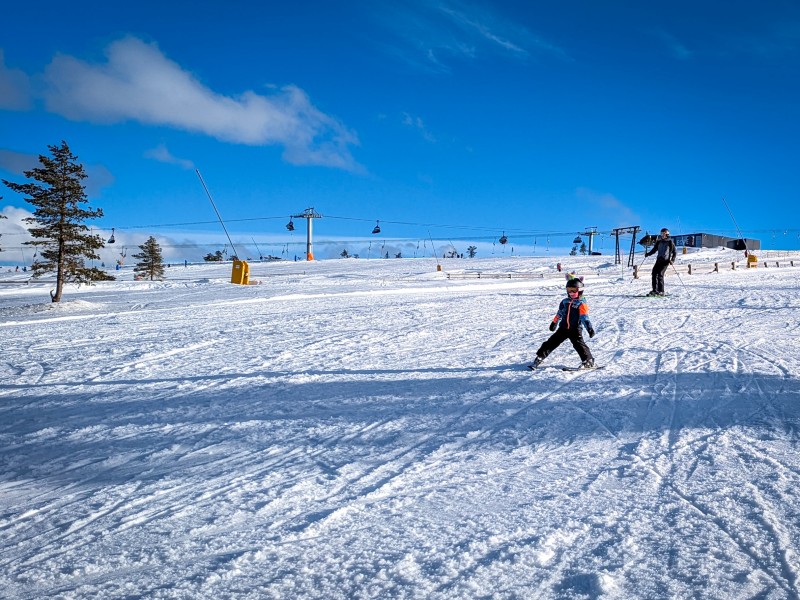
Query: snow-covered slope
point(368, 429)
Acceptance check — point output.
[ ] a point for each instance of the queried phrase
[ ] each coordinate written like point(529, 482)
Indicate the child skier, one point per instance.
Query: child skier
point(572, 313)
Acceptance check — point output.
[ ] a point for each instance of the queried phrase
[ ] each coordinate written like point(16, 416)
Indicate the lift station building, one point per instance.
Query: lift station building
point(707, 240)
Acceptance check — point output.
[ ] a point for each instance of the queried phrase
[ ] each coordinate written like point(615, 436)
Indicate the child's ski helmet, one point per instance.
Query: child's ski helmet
point(575, 283)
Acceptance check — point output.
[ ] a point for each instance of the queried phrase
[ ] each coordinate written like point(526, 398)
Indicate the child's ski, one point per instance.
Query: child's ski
point(582, 368)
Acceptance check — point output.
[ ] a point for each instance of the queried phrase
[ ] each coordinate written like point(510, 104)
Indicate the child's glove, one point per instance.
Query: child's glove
point(553, 326)
point(590, 331)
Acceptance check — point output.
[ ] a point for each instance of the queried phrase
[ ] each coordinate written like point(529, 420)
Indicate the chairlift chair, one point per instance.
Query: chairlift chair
point(111, 239)
point(290, 225)
point(577, 240)
point(377, 228)
point(503, 239)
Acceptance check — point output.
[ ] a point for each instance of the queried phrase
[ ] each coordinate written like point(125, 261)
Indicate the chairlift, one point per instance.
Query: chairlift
point(290, 225)
point(578, 240)
point(648, 240)
point(503, 239)
point(111, 239)
point(377, 228)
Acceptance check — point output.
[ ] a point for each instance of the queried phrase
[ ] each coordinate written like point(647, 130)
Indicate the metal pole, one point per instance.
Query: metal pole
point(632, 258)
point(435, 255)
point(309, 253)
point(216, 211)
point(261, 256)
point(739, 231)
point(679, 276)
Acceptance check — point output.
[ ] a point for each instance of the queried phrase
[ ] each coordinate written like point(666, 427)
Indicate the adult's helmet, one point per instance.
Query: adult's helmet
point(575, 283)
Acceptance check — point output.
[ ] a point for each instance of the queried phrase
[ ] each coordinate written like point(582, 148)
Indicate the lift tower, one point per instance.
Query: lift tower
point(308, 215)
point(634, 230)
point(591, 232)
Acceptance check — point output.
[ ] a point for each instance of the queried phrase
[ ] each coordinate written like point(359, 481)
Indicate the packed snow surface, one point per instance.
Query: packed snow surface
point(369, 429)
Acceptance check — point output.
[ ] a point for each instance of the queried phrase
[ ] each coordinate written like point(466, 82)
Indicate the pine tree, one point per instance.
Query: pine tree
point(151, 263)
point(216, 257)
point(59, 233)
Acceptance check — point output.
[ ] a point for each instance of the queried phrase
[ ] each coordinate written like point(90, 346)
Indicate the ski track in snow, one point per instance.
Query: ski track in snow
point(365, 429)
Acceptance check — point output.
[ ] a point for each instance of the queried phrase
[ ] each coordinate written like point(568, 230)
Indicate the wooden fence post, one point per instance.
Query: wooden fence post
point(636, 271)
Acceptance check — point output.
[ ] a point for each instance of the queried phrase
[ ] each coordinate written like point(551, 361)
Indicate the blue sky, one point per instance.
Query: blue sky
point(448, 120)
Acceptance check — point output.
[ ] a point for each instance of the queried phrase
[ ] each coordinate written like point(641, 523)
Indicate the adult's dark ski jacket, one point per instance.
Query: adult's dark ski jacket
point(665, 248)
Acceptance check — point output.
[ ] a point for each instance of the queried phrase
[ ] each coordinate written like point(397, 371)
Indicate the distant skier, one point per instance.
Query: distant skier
point(665, 248)
point(573, 312)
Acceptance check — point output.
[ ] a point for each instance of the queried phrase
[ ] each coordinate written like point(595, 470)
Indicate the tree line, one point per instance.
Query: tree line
point(58, 227)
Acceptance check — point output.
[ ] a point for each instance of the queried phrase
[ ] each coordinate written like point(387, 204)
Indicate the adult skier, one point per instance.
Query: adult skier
point(573, 312)
point(665, 248)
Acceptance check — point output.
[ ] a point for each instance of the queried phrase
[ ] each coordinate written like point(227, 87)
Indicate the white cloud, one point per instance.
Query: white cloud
point(17, 162)
point(419, 125)
point(15, 93)
point(14, 223)
point(139, 83)
point(162, 154)
point(452, 29)
point(607, 205)
point(98, 176)
point(676, 48)
point(487, 28)
point(14, 233)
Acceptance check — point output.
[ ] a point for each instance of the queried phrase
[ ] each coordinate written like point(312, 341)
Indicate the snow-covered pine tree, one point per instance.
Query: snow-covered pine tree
point(151, 263)
point(62, 239)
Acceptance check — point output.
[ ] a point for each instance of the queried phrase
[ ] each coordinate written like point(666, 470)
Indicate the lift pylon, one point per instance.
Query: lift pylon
point(617, 232)
point(591, 232)
point(308, 215)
